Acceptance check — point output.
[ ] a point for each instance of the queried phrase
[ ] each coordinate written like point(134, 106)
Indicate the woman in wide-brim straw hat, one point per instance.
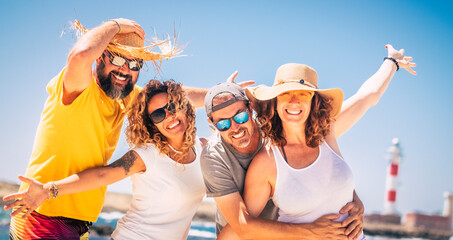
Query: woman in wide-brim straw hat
point(301, 168)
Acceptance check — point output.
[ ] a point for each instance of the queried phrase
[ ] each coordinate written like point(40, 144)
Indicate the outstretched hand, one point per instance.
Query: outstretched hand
point(403, 61)
point(243, 84)
point(27, 201)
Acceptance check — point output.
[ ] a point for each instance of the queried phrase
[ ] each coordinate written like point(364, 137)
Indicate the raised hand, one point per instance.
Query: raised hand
point(128, 26)
point(403, 61)
point(28, 200)
point(243, 84)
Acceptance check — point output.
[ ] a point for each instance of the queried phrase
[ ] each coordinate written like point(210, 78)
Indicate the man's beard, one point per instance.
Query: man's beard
point(107, 85)
point(244, 142)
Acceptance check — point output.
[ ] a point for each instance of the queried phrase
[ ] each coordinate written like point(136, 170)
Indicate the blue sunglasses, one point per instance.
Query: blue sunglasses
point(225, 124)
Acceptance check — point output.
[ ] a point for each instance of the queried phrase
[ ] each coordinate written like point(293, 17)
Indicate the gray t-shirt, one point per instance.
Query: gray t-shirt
point(224, 169)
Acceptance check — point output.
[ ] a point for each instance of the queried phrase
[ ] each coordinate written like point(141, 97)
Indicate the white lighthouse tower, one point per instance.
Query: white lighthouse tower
point(392, 177)
point(448, 208)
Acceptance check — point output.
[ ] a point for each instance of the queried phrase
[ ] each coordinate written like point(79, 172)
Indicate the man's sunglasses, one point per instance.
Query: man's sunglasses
point(225, 124)
point(159, 114)
point(134, 65)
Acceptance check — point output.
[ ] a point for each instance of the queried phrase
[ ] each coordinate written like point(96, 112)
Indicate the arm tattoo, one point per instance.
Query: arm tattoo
point(125, 162)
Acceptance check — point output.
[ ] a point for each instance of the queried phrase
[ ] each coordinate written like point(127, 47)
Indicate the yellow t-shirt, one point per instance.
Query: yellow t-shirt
point(72, 138)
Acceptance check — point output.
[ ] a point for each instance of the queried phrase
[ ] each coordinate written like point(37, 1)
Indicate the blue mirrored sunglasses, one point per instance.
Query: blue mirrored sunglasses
point(225, 124)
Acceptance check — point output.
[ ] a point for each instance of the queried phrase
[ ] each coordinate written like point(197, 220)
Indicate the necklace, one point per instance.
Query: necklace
point(174, 150)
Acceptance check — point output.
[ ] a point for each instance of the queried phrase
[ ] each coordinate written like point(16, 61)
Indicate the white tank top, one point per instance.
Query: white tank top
point(324, 187)
point(165, 197)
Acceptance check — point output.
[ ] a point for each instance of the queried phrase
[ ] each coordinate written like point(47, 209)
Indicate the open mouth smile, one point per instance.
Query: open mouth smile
point(239, 135)
point(293, 112)
point(174, 125)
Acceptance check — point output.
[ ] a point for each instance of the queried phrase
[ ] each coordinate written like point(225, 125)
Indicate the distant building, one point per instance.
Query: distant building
point(428, 221)
point(416, 225)
point(382, 218)
point(448, 208)
point(412, 220)
point(394, 155)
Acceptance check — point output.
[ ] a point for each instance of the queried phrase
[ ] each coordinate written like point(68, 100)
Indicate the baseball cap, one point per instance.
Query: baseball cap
point(235, 90)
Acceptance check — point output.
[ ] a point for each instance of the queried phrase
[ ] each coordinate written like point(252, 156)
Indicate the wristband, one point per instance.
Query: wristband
point(393, 60)
point(53, 190)
point(117, 23)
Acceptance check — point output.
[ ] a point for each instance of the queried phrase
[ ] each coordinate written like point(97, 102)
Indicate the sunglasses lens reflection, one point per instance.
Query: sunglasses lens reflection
point(223, 125)
point(241, 118)
point(118, 61)
point(157, 116)
point(135, 65)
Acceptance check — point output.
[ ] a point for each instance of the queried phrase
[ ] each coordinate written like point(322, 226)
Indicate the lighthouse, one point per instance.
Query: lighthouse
point(448, 208)
point(394, 155)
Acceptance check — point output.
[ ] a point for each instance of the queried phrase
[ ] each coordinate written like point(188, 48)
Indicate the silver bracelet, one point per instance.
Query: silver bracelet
point(117, 23)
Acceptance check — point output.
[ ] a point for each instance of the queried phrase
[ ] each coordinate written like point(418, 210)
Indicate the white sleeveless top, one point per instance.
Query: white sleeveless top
point(324, 187)
point(165, 197)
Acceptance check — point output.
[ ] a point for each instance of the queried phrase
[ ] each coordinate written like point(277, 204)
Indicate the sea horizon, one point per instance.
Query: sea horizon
point(199, 230)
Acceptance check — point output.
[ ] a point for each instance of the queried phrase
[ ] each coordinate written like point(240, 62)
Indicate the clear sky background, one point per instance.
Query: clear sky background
point(343, 40)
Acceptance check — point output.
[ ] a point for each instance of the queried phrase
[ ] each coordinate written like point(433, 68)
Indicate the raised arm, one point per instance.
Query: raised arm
point(87, 49)
point(242, 216)
point(89, 179)
point(197, 95)
point(371, 91)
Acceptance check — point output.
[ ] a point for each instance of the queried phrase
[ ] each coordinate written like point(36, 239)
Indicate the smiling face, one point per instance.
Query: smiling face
point(175, 124)
point(116, 82)
point(240, 136)
point(294, 107)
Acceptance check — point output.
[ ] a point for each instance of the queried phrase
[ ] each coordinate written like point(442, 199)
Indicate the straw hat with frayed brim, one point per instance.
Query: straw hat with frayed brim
point(132, 45)
point(294, 77)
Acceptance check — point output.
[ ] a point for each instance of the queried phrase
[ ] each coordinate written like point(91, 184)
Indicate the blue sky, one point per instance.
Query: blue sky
point(343, 40)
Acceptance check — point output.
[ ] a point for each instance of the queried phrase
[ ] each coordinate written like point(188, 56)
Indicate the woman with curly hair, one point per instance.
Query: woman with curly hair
point(163, 163)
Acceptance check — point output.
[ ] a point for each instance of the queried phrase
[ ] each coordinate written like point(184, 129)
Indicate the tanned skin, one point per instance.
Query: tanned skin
point(126, 162)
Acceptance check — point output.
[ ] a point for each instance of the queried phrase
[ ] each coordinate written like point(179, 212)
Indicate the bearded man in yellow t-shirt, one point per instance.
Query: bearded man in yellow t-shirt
point(81, 123)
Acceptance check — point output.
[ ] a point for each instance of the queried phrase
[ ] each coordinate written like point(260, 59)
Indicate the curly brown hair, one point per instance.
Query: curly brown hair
point(316, 128)
point(141, 129)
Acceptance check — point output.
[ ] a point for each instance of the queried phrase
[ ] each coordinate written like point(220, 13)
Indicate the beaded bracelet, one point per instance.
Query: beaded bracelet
point(117, 23)
point(53, 190)
point(393, 60)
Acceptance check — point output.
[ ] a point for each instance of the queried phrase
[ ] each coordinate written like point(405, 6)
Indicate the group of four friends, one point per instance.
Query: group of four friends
point(273, 166)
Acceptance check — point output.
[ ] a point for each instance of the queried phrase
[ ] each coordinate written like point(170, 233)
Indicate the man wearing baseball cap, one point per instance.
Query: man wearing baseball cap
point(224, 163)
point(228, 153)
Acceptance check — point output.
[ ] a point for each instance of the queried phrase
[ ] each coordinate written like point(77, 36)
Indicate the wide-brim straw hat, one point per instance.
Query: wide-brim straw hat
point(294, 77)
point(132, 45)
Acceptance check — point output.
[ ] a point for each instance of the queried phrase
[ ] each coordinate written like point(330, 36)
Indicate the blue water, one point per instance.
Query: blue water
point(198, 230)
